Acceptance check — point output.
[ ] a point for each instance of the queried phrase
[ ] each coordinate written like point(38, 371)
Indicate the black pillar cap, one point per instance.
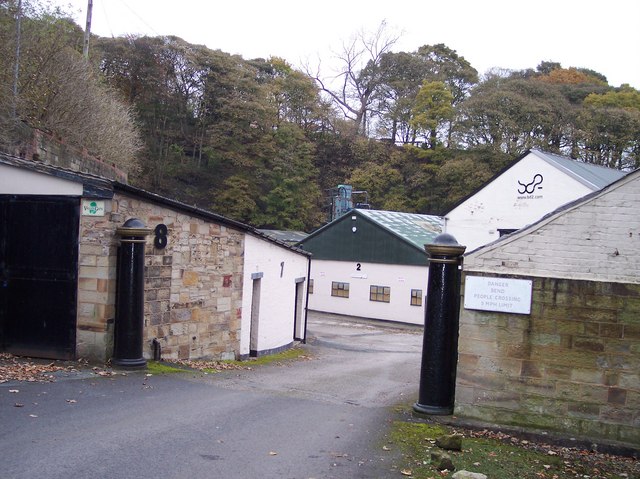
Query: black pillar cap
point(133, 227)
point(445, 245)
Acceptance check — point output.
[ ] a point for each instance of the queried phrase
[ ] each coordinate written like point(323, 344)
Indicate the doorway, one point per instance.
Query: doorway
point(298, 319)
point(255, 315)
point(39, 275)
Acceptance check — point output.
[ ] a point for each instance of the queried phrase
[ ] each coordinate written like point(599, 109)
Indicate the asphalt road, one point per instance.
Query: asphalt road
point(318, 418)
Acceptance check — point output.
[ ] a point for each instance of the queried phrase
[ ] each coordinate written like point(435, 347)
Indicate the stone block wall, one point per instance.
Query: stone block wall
point(193, 287)
point(571, 366)
point(97, 285)
point(41, 146)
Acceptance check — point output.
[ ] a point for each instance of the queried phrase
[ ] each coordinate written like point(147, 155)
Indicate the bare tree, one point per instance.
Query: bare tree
point(354, 87)
point(86, 112)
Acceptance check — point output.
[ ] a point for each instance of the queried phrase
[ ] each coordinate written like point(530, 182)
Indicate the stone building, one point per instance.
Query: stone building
point(562, 354)
point(218, 288)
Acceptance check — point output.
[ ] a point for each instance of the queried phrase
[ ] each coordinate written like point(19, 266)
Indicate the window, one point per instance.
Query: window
point(341, 290)
point(310, 288)
point(416, 297)
point(380, 293)
point(506, 231)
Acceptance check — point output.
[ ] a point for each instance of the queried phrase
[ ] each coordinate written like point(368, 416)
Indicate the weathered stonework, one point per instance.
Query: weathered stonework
point(97, 285)
point(193, 287)
point(38, 145)
point(572, 366)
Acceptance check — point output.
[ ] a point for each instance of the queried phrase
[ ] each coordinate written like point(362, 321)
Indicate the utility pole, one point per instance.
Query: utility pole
point(16, 68)
point(87, 30)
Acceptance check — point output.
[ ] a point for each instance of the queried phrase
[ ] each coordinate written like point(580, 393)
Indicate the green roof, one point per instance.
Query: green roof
point(375, 236)
point(412, 227)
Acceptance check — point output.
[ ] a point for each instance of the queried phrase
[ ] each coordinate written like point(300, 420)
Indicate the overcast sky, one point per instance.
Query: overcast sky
point(513, 34)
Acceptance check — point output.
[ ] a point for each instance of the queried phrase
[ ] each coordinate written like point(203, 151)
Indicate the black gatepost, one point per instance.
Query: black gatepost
point(441, 320)
point(129, 321)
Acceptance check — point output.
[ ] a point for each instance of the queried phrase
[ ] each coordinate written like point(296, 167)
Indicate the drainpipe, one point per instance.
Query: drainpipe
point(157, 349)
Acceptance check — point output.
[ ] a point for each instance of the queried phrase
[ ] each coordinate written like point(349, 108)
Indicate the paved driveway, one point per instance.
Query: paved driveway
point(318, 418)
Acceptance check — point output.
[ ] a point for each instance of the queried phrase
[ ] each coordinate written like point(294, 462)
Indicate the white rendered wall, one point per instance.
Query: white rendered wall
point(401, 279)
point(17, 181)
point(277, 293)
point(595, 240)
point(501, 204)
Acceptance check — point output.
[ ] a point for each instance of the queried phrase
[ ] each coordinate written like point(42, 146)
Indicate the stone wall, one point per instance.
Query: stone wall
point(97, 284)
point(572, 365)
point(44, 147)
point(193, 287)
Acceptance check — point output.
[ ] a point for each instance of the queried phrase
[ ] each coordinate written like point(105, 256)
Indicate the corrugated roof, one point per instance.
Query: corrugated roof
point(415, 228)
point(593, 176)
point(286, 235)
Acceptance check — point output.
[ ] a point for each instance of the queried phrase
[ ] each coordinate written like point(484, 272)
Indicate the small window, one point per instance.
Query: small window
point(341, 290)
point(506, 231)
point(310, 287)
point(380, 293)
point(416, 297)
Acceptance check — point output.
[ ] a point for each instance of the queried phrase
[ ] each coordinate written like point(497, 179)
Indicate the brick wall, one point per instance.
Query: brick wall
point(572, 366)
point(193, 287)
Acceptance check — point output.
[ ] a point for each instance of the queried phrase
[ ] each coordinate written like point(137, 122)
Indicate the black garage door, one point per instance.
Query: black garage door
point(38, 275)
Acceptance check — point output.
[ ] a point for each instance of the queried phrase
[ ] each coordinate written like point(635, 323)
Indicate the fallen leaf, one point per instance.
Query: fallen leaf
point(385, 448)
point(14, 368)
point(339, 454)
point(406, 472)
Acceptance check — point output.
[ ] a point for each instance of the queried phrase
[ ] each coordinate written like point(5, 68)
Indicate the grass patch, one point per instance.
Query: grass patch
point(283, 356)
point(500, 456)
point(158, 367)
point(215, 366)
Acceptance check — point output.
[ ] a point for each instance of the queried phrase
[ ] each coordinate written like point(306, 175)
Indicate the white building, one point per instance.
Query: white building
point(372, 264)
point(273, 296)
point(535, 184)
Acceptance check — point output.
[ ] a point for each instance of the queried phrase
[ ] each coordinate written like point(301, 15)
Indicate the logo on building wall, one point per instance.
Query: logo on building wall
point(92, 208)
point(532, 186)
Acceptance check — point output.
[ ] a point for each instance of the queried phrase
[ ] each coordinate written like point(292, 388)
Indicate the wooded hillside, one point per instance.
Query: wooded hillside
point(262, 142)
